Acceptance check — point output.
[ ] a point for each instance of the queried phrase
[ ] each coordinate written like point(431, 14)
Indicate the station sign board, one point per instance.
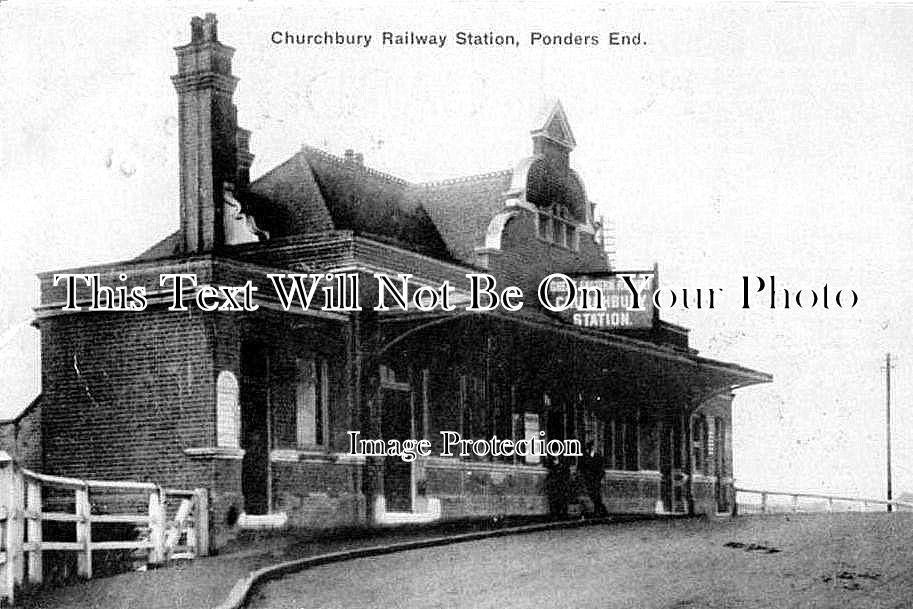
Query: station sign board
point(618, 300)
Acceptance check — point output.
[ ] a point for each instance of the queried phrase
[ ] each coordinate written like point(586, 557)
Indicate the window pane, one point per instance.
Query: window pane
point(227, 410)
point(306, 402)
point(531, 432)
point(545, 227)
point(631, 444)
point(619, 443)
point(501, 400)
point(697, 440)
point(320, 423)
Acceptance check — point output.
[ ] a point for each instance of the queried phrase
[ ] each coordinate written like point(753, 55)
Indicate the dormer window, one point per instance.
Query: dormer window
point(556, 225)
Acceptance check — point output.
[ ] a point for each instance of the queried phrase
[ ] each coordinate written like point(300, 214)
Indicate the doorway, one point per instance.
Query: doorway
point(396, 424)
point(666, 450)
point(719, 444)
point(255, 440)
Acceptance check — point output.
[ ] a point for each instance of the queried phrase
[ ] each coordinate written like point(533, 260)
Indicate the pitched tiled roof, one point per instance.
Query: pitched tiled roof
point(314, 191)
point(370, 202)
point(288, 201)
point(461, 209)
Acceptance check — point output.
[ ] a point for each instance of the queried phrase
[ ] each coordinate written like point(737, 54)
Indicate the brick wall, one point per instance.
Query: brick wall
point(719, 461)
point(703, 491)
point(125, 393)
point(631, 492)
point(468, 489)
point(319, 493)
point(525, 259)
point(21, 437)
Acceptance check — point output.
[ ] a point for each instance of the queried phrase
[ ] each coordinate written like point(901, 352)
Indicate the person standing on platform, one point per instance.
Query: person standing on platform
point(557, 486)
point(591, 469)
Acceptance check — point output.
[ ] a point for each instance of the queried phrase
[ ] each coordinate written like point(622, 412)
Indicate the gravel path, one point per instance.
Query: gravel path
point(839, 560)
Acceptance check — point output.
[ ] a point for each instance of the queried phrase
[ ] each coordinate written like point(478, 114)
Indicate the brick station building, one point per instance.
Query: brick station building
point(256, 406)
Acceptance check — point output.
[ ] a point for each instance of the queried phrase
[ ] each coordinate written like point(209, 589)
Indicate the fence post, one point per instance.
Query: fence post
point(6, 465)
point(12, 543)
point(16, 530)
point(795, 503)
point(830, 505)
point(156, 526)
point(33, 509)
point(84, 532)
point(763, 503)
point(201, 521)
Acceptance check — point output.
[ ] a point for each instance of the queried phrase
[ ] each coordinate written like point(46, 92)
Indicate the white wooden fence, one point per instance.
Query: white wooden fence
point(765, 506)
point(22, 512)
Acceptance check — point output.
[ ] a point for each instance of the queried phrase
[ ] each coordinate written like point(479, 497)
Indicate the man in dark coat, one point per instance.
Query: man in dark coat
point(557, 486)
point(591, 468)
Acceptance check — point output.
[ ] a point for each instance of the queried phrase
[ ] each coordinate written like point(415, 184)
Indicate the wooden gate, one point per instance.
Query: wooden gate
point(25, 505)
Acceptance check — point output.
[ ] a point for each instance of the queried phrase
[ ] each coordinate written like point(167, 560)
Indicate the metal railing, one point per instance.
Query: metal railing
point(766, 507)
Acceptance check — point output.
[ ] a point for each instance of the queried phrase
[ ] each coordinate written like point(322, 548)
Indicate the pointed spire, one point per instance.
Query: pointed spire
point(554, 127)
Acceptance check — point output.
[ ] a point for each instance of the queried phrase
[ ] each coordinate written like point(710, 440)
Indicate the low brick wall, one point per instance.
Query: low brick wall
point(323, 492)
point(703, 491)
point(479, 489)
point(467, 488)
point(631, 492)
point(318, 493)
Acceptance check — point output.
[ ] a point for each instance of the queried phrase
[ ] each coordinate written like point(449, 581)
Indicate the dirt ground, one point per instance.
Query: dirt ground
point(206, 582)
point(846, 560)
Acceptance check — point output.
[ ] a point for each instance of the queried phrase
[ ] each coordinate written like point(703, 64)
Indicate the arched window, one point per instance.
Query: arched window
point(228, 411)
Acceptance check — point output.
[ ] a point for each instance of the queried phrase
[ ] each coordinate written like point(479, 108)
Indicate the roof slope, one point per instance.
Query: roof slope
point(462, 209)
point(288, 201)
point(314, 191)
point(370, 202)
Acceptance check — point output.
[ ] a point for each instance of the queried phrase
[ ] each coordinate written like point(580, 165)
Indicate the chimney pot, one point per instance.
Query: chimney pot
point(196, 30)
point(210, 33)
point(349, 155)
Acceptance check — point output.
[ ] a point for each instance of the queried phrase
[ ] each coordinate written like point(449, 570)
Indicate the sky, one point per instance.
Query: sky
point(737, 140)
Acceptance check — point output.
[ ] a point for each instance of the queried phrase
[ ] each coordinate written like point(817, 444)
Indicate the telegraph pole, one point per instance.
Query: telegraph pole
point(887, 393)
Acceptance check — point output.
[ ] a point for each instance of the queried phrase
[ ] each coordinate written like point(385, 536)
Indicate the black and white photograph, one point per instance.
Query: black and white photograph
point(456, 305)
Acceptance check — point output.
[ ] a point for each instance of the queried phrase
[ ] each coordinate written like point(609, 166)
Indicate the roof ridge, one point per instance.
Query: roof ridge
point(462, 179)
point(334, 158)
point(363, 168)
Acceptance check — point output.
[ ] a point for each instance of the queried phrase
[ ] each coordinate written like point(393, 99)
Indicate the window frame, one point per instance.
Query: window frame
point(556, 226)
point(320, 409)
point(234, 423)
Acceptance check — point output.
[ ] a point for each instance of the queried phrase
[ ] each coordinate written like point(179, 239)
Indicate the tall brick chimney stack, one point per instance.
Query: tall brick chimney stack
point(207, 133)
